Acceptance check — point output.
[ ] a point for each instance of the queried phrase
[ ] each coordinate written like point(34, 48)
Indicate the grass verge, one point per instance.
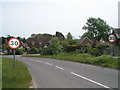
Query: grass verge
point(104, 60)
point(15, 78)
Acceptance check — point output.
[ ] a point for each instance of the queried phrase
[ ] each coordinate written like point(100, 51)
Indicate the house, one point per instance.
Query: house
point(41, 41)
point(116, 32)
point(85, 41)
point(38, 41)
point(116, 48)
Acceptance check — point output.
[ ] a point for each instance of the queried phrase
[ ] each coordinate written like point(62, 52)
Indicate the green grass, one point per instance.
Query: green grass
point(15, 78)
point(104, 60)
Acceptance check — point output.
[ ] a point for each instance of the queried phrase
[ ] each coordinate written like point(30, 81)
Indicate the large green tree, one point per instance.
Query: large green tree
point(54, 46)
point(98, 28)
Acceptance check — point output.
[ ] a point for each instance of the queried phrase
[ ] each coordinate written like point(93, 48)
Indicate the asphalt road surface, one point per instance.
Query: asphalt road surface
point(52, 73)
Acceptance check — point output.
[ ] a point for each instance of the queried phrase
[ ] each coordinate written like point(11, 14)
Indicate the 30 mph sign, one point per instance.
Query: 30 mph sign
point(14, 43)
point(112, 38)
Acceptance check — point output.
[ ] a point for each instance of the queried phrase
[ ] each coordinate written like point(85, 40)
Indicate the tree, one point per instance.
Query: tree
point(59, 34)
point(32, 35)
point(98, 27)
point(64, 43)
point(54, 46)
point(46, 35)
point(69, 37)
point(9, 37)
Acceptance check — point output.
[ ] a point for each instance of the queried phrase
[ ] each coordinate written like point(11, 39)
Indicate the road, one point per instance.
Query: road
point(51, 73)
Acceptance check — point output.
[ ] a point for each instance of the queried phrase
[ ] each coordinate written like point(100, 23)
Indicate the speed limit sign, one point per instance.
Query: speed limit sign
point(14, 43)
point(112, 38)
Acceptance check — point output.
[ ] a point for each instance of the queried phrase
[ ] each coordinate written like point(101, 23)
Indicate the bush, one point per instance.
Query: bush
point(94, 51)
point(71, 48)
point(54, 46)
point(20, 51)
point(103, 60)
point(84, 55)
point(46, 52)
point(34, 50)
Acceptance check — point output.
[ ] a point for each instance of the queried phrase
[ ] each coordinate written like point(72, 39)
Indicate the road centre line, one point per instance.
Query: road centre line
point(38, 61)
point(47, 63)
point(31, 60)
point(59, 67)
point(90, 80)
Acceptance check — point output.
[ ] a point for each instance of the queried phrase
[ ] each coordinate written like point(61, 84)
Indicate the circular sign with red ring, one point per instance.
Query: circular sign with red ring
point(112, 38)
point(14, 43)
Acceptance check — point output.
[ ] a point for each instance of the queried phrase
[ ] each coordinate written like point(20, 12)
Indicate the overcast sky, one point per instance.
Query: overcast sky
point(25, 17)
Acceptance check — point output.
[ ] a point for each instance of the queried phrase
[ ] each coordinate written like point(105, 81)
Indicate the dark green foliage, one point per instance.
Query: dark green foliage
point(94, 51)
point(71, 48)
point(54, 46)
point(46, 52)
point(98, 28)
point(39, 35)
point(47, 35)
point(33, 50)
point(69, 36)
point(59, 34)
point(20, 51)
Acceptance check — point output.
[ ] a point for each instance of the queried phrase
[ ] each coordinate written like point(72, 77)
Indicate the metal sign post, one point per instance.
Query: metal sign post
point(112, 39)
point(14, 59)
point(14, 43)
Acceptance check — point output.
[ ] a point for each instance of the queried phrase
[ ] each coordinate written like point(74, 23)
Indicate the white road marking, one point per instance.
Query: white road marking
point(47, 63)
point(31, 60)
point(38, 61)
point(59, 67)
point(78, 75)
point(90, 80)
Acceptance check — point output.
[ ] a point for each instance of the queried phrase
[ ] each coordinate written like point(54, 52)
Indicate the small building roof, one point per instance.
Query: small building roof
point(83, 39)
point(117, 32)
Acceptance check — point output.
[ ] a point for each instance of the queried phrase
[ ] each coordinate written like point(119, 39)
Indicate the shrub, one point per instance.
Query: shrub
point(94, 51)
point(20, 51)
point(46, 52)
point(33, 50)
point(54, 46)
point(84, 55)
point(71, 48)
point(102, 59)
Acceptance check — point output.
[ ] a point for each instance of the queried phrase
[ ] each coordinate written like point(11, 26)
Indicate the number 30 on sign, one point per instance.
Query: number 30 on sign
point(14, 43)
point(112, 38)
